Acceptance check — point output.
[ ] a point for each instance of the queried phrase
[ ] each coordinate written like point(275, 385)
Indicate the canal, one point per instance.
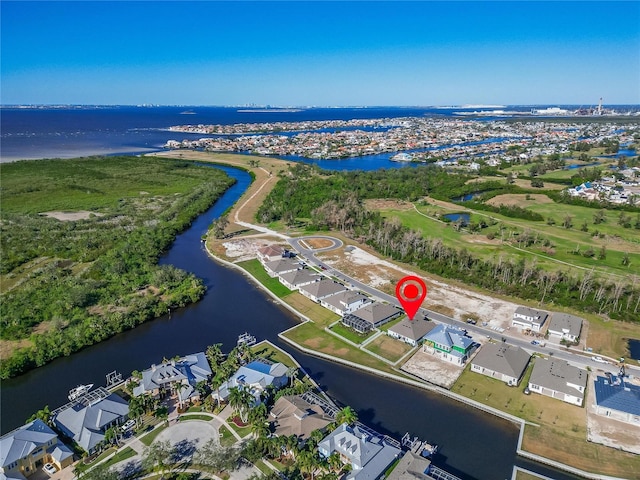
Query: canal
point(474, 445)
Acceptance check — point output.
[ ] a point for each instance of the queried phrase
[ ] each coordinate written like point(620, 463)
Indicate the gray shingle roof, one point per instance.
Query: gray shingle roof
point(502, 358)
point(535, 316)
point(191, 368)
point(563, 321)
point(411, 467)
point(299, 277)
point(624, 397)
point(376, 312)
point(323, 288)
point(413, 329)
point(343, 299)
point(282, 265)
point(555, 374)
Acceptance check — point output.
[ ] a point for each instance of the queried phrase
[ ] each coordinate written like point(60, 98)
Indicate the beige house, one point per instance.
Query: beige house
point(26, 449)
point(291, 415)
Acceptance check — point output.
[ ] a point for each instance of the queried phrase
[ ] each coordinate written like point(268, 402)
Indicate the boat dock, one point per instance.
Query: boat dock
point(419, 447)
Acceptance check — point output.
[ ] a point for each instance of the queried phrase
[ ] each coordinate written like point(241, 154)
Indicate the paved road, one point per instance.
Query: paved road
point(549, 349)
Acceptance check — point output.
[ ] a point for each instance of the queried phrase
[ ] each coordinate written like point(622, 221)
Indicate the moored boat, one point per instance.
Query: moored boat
point(80, 390)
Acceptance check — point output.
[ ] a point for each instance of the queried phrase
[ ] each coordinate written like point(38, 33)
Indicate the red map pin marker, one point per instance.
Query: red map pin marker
point(410, 292)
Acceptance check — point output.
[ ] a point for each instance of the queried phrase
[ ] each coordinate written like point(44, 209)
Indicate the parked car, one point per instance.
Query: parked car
point(49, 468)
point(533, 342)
point(128, 425)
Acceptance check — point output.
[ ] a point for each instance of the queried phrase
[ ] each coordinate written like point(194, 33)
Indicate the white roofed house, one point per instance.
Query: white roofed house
point(525, 317)
point(556, 378)
point(27, 448)
point(345, 302)
point(87, 420)
point(254, 377)
point(322, 288)
point(502, 361)
point(565, 327)
point(175, 376)
point(369, 455)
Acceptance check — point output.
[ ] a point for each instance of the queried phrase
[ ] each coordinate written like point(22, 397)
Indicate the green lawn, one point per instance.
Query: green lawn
point(151, 436)
point(186, 417)
point(351, 334)
point(226, 438)
point(274, 354)
point(316, 312)
point(255, 268)
point(121, 456)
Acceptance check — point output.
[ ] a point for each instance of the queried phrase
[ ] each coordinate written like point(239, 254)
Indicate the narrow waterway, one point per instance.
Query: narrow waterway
point(474, 445)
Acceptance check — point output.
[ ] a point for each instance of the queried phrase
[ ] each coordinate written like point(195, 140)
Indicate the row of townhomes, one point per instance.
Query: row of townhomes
point(358, 311)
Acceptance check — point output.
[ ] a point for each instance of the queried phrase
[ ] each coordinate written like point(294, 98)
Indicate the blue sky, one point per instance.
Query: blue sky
point(320, 53)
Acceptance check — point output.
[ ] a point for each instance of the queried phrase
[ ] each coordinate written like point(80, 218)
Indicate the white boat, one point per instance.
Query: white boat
point(402, 157)
point(80, 390)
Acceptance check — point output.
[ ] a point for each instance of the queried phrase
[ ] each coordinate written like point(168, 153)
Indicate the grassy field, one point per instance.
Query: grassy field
point(350, 334)
point(322, 316)
point(388, 347)
point(255, 268)
point(561, 434)
point(151, 436)
point(121, 456)
point(266, 350)
point(226, 438)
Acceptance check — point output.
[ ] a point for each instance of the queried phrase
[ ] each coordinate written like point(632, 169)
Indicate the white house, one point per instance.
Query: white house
point(298, 278)
point(557, 379)
point(322, 288)
point(281, 266)
point(525, 317)
point(345, 302)
point(504, 362)
point(411, 331)
point(565, 327)
point(270, 253)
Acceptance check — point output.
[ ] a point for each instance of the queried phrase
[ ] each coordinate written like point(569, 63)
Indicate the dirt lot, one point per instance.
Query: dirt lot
point(246, 248)
point(432, 369)
point(516, 200)
point(317, 243)
point(71, 216)
point(441, 296)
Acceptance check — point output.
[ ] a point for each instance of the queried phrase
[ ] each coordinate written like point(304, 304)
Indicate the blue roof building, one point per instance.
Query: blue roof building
point(617, 398)
point(255, 377)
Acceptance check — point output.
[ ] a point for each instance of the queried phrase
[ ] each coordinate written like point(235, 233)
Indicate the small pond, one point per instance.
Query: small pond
point(634, 348)
point(465, 218)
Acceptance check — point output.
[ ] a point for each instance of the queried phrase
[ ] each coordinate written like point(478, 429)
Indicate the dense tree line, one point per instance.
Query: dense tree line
point(95, 277)
point(328, 208)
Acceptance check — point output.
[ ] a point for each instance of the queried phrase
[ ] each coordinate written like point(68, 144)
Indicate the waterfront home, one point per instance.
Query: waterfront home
point(292, 415)
point(529, 318)
point(298, 278)
point(504, 362)
point(178, 377)
point(255, 377)
point(281, 266)
point(411, 331)
point(370, 316)
point(270, 253)
point(369, 455)
point(345, 302)
point(27, 448)
point(87, 420)
point(412, 467)
point(557, 379)
point(565, 327)
point(321, 289)
point(618, 398)
point(449, 343)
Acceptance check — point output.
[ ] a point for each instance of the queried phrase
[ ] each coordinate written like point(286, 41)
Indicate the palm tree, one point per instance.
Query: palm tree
point(214, 355)
point(347, 415)
point(241, 400)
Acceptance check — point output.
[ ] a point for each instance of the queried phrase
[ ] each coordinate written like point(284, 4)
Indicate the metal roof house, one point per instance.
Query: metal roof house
point(27, 448)
point(504, 362)
point(618, 399)
point(525, 317)
point(87, 422)
point(411, 331)
point(255, 377)
point(322, 288)
point(187, 371)
point(557, 379)
point(449, 343)
point(565, 326)
point(368, 455)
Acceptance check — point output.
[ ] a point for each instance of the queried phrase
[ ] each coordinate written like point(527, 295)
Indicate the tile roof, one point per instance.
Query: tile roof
point(294, 416)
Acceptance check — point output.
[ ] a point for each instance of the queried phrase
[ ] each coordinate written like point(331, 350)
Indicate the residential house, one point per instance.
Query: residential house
point(176, 376)
point(298, 278)
point(345, 302)
point(504, 362)
point(370, 316)
point(25, 449)
point(449, 343)
point(411, 331)
point(255, 377)
point(525, 317)
point(281, 266)
point(321, 288)
point(87, 420)
point(270, 253)
point(292, 415)
point(556, 378)
point(369, 455)
point(565, 327)
point(411, 467)
point(618, 398)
